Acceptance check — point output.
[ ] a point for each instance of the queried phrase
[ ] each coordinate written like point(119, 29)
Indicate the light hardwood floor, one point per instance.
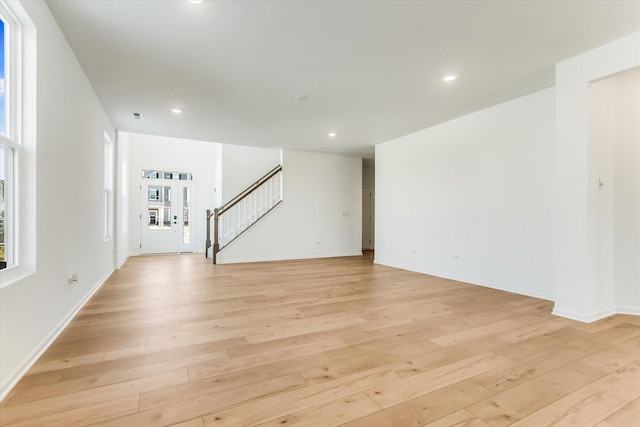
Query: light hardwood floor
point(174, 340)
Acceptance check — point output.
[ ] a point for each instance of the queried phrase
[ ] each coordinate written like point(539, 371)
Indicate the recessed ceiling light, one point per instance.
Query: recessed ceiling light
point(449, 78)
point(195, 1)
point(176, 110)
point(300, 97)
point(332, 134)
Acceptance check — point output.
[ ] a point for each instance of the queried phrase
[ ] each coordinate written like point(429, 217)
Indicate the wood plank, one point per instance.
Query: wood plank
point(461, 418)
point(586, 407)
point(330, 414)
point(212, 369)
point(624, 417)
point(196, 422)
point(513, 374)
point(188, 409)
point(623, 383)
point(111, 377)
point(174, 340)
point(516, 403)
point(68, 362)
point(69, 401)
point(435, 359)
point(85, 415)
point(426, 408)
point(423, 383)
point(209, 385)
point(256, 412)
point(615, 357)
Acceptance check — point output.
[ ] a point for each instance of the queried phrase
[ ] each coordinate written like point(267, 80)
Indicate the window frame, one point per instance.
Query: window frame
point(10, 140)
point(8, 202)
point(20, 102)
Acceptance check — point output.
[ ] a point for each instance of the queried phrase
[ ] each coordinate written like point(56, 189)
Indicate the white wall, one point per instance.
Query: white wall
point(471, 199)
point(627, 193)
point(601, 103)
point(242, 166)
point(201, 158)
point(320, 215)
point(614, 132)
point(68, 178)
point(582, 286)
point(122, 198)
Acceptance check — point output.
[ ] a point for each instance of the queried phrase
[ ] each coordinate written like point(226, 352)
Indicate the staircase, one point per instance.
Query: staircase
point(243, 211)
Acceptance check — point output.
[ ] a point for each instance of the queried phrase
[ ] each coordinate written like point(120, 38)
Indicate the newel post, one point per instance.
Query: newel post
point(216, 245)
point(207, 243)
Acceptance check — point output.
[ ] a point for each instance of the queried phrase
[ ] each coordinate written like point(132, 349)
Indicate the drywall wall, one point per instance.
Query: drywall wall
point(582, 291)
point(320, 215)
point(471, 199)
point(200, 158)
point(68, 177)
point(614, 135)
point(601, 103)
point(242, 166)
point(122, 198)
point(627, 193)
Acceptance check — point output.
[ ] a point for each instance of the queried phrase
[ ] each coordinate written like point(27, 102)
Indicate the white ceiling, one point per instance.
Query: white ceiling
point(371, 71)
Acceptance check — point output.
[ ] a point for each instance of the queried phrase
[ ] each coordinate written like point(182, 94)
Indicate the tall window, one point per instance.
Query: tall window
point(17, 143)
point(8, 145)
point(108, 187)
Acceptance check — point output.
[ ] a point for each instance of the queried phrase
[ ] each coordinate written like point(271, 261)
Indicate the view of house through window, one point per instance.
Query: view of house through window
point(159, 207)
point(153, 174)
point(5, 166)
point(6, 161)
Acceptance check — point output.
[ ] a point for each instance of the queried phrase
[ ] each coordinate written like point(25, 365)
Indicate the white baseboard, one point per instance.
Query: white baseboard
point(287, 258)
point(17, 375)
point(594, 317)
point(121, 263)
point(473, 281)
point(584, 318)
point(633, 311)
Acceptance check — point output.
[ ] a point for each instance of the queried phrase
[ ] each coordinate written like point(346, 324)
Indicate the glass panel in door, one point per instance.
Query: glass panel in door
point(186, 236)
point(186, 230)
point(159, 223)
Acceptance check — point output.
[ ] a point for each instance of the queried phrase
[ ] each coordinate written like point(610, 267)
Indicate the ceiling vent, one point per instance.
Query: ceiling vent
point(137, 116)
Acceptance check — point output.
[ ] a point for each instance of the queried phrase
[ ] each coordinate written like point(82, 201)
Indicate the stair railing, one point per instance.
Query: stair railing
point(240, 213)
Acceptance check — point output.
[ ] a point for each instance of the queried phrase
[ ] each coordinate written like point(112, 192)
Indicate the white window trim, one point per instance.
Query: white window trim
point(21, 129)
point(9, 217)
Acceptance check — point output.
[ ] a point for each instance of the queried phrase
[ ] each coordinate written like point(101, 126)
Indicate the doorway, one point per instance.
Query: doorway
point(165, 219)
point(367, 218)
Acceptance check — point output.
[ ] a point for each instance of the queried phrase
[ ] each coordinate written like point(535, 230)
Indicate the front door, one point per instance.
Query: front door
point(165, 220)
